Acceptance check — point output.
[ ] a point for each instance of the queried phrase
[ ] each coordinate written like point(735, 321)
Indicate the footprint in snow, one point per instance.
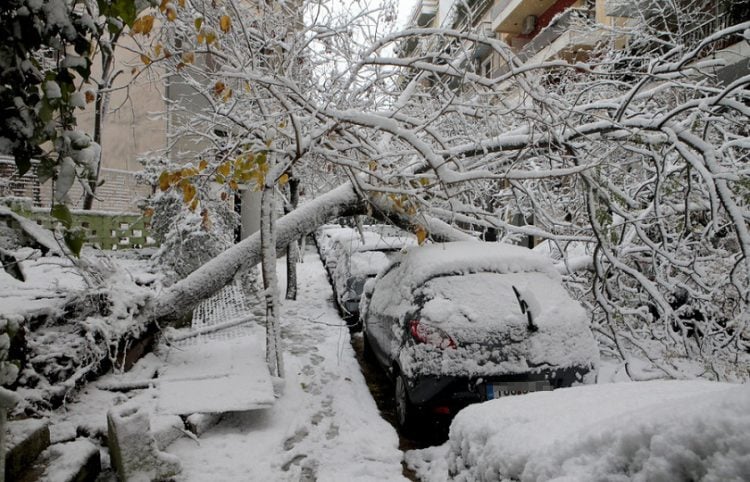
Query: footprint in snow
point(298, 436)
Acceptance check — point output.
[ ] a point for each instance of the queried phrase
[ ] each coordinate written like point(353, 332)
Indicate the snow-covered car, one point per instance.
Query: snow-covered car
point(657, 430)
point(464, 322)
point(362, 262)
point(344, 243)
point(326, 235)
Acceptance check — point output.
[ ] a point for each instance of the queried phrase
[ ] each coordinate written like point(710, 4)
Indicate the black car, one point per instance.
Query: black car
point(459, 323)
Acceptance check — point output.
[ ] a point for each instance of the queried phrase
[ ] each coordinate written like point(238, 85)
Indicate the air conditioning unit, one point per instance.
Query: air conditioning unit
point(529, 24)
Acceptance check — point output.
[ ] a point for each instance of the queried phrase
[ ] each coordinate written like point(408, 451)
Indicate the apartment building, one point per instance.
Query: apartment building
point(147, 111)
point(540, 30)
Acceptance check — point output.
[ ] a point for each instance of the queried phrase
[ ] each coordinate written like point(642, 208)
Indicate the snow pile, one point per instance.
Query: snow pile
point(74, 313)
point(659, 430)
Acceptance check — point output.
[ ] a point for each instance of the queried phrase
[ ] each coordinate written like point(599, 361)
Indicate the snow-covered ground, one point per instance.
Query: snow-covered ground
point(324, 427)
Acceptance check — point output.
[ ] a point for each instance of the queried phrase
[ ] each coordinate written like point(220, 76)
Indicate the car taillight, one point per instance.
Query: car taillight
point(430, 335)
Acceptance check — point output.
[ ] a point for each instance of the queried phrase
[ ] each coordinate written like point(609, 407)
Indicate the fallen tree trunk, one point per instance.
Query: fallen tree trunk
point(202, 283)
point(184, 295)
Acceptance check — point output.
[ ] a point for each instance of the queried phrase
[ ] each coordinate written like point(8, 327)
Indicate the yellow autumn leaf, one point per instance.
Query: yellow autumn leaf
point(219, 88)
point(202, 165)
point(225, 23)
point(201, 37)
point(421, 233)
point(188, 57)
point(157, 50)
point(194, 204)
point(227, 95)
point(188, 192)
point(164, 180)
point(189, 171)
point(424, 181)
point(233, 185)
point(224, 169)
point(143, 25)
point(163, 5)
point(181, 3)
point(210, 37)
point(373, 165)
point(198, 23)
point(145, 59)
point(283, 179)
point(171, 14)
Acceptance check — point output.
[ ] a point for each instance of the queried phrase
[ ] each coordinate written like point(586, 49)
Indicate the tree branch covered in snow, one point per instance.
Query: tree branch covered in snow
point(636, 156)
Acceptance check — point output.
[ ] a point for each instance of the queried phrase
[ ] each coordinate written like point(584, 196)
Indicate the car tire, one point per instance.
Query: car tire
point(405, 412)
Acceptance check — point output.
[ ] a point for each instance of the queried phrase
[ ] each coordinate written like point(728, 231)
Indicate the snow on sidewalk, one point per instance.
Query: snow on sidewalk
point(324, 427)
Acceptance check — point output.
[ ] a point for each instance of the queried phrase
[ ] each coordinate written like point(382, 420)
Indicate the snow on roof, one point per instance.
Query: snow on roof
point(658, 430)
point(425, 262)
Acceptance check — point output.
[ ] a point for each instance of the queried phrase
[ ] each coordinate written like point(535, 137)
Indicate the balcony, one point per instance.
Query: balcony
point(567, 32)
point(508, 15)
point(424, 13)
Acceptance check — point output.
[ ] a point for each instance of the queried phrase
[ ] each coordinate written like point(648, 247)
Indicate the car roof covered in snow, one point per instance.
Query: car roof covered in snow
point(422, 263)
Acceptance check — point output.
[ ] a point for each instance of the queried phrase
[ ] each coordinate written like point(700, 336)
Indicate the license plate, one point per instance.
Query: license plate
point(507, 389)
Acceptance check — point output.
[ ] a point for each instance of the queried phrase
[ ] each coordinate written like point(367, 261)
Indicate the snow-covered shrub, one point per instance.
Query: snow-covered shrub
point(191, 229)
point(8, 368)
point(189, 238)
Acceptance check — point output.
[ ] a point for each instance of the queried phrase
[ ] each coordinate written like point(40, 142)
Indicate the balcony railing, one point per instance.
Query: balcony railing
point(698, 33)
point(459, 18)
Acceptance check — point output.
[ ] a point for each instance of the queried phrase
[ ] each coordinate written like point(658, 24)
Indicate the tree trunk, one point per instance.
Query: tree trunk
point(93, 177)
point(100, 105)
point(293, 250)
point(274, 355)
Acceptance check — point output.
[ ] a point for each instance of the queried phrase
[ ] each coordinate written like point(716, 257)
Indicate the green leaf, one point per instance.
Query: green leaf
point(123, 9)
point(62, 214)
point(46, 111)
point(126, 10)
point(74, 241)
